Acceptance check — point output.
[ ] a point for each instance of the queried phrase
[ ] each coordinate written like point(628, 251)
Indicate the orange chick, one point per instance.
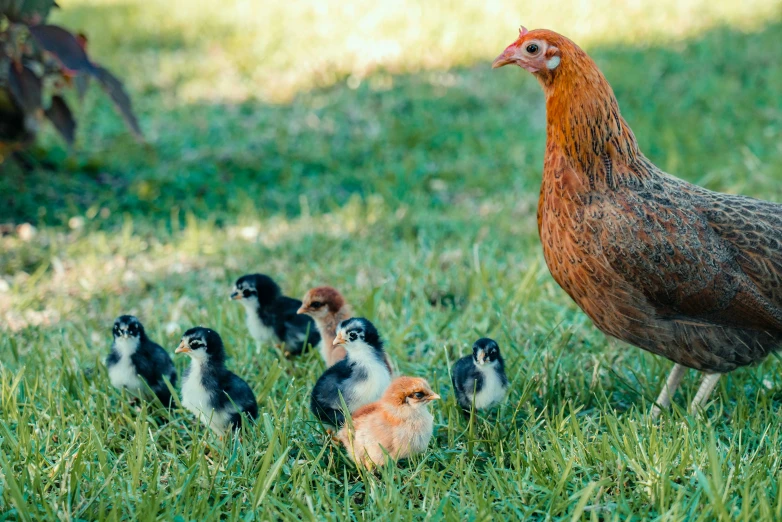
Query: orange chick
point(399, 423)
point(328, 308)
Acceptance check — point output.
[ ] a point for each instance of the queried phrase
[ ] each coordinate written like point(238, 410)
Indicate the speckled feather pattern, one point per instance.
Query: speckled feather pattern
point(678, 270)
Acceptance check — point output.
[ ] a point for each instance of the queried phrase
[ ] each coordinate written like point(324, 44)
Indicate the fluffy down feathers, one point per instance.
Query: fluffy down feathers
point(271, 316)
point(360, 378)
point(328, 308)
point(215, 395)
point(399, 424)
point(135, 361)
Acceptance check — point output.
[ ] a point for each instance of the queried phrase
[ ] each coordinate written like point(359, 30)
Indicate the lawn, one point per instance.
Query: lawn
point(371, 148)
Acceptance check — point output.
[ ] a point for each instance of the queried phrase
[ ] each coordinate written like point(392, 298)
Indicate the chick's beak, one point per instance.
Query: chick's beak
point(182, 348)
point(339, 340)
point(302, 310)
point(481, 357)
point(434, 397)
point(236, 295)
point(505, 58)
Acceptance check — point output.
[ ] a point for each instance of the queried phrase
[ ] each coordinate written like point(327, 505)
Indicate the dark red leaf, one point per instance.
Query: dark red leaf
point(116, 91)
point(25, 88)
point(60, 115)
point(63, 45)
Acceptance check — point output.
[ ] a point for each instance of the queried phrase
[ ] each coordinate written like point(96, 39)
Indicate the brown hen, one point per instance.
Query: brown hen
point(673, 268)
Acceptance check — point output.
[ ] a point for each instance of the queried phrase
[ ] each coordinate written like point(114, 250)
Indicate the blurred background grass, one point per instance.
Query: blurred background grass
point(369, 146)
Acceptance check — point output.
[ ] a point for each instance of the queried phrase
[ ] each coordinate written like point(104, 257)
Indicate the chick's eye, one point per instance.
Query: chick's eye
point(532, 48)
point(352, 336)
point(418, 395)
point(316, 304)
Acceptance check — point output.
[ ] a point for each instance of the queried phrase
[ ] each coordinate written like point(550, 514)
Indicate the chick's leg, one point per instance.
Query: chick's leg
point(671, 385)
point(704, 392)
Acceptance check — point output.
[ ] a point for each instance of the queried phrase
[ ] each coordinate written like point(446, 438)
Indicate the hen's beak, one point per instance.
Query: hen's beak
point(236, 295)
point(339, 340)
point(302, 310)
point(505, 58)
point(182, 348)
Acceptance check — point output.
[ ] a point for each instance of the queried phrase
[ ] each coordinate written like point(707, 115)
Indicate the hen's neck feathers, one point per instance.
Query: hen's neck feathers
point(583, 118)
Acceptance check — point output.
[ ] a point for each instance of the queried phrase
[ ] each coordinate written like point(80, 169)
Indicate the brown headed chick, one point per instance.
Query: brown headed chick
point(328, 308)
point(399, 423)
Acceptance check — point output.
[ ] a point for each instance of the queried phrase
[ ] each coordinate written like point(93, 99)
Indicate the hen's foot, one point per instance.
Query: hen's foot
point(666, 395)
point(708, 384)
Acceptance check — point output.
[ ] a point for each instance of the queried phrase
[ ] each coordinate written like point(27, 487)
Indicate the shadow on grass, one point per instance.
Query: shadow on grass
point(704, 110)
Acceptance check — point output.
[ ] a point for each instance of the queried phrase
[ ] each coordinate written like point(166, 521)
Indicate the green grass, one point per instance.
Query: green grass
point(372, 149)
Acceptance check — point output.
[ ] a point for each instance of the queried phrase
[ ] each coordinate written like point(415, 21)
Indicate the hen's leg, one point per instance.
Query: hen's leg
point(673, 382)
point(704, 392)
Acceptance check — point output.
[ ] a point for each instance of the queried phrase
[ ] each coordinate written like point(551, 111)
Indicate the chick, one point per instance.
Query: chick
point(136, 362)
point(360, 378)
point(271, 316)
point(328, 308)
point(480, 379)
point(214, 394)
point(399, 423)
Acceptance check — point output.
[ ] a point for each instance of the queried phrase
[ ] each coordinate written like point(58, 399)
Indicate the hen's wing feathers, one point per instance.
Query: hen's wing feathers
point(663, 245)
point(754, 228)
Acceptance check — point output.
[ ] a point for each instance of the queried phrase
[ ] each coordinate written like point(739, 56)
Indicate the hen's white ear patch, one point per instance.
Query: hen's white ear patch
point(553, 62)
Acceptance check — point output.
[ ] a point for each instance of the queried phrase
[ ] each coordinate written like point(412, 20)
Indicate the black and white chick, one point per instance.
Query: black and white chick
point(209, 390)
point(137, 363)
point(272, 316)
point(361, 377)
point(479, 379)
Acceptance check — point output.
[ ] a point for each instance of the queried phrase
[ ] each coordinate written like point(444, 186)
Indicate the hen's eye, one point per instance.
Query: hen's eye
point(532, 48)
point(316, 304)
point(352, 336)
